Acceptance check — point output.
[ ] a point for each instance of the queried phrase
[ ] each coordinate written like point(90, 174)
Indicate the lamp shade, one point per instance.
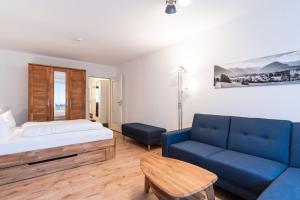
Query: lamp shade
point(170, 9)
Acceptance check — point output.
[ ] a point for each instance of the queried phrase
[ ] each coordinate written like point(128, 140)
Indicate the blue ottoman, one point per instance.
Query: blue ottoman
point(142, 133)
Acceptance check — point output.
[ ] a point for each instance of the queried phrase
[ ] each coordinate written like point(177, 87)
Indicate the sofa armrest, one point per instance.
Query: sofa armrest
point(174, 137)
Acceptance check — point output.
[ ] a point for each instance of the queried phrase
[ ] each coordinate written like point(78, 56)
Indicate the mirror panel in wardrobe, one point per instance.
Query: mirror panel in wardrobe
point(60, 97)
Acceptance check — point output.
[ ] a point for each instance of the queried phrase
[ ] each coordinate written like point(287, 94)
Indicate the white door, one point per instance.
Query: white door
point(116, 104)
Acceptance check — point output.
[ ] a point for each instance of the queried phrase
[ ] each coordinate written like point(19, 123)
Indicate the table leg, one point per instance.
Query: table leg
point(147, 185)
point(210, 193)
point(199, 196)
point(149, 147)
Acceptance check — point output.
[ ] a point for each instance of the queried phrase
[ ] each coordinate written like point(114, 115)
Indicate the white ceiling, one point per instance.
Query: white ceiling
point(113, 31)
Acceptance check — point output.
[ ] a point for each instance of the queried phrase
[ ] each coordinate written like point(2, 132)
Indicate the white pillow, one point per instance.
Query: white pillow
point(3, 109)
point(9, 119)
point(5, 131)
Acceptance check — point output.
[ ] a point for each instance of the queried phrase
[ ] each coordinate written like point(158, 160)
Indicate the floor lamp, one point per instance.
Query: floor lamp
point(180, 71)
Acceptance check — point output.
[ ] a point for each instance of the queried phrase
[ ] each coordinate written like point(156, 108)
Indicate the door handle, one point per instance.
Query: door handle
point(120, 103)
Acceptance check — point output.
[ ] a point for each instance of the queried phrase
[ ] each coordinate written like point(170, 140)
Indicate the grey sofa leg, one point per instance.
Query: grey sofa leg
point(149, 147)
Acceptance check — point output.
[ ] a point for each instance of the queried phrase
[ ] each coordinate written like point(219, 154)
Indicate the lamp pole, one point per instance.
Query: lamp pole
point(180, 71)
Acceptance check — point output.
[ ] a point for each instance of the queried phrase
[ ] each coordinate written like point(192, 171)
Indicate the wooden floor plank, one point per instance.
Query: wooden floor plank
point(116, 179)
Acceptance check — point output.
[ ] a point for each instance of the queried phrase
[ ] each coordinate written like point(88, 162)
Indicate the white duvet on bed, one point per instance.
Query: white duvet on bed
point(19, 144)
point(33, 129)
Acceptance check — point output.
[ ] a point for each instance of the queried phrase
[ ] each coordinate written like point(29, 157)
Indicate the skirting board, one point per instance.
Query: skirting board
point(21, 166)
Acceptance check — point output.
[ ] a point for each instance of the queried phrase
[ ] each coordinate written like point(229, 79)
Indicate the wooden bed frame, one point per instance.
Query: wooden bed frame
point(21, 166)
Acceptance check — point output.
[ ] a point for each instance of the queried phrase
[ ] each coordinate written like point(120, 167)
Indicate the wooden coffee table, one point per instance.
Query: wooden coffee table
point(172, 179)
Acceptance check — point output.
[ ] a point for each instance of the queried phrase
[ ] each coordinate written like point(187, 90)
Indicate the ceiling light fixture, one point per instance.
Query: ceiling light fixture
point(78, 39)
point(171, 7)
point(184, 3)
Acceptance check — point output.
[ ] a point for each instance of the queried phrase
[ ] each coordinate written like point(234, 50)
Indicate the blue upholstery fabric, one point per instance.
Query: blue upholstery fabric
point(173, 137)
point(258, 152)
point(250, 172)
point(193, 152)
point(264, 138)
point(236, 189)
point(295, 146)
point(211, 129)
point(143, 128)
point(143, 133)
point(285, 187)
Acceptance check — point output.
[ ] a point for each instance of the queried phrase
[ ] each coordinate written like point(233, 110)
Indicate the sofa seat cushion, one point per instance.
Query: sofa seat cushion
point(286, 186)
point(193, 152)
point(248, 171)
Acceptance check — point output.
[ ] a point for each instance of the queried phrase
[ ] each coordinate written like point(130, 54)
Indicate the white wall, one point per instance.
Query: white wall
point(151, 87)
point(105, 98)
point(14, 77)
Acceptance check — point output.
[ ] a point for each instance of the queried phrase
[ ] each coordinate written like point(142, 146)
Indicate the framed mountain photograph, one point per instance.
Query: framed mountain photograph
point(271, 70)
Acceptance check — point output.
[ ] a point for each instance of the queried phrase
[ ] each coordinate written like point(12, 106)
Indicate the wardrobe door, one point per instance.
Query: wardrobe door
point(40, 93)
point(77, 98)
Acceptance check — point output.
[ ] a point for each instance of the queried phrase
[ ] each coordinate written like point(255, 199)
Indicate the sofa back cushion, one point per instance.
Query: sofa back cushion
point(264, 138)
point(211, 129)
point(295, 146)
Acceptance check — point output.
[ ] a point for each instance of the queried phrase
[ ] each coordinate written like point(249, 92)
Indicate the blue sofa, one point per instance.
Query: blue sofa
point(253, 158)
point(287, 185)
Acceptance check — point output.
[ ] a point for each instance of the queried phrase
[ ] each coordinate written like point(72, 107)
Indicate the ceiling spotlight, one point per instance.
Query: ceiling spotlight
point(171, 7)
point(184, 2)
point(78, 39)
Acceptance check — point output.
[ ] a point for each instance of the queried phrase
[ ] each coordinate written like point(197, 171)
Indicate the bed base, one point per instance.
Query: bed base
point(21, 166)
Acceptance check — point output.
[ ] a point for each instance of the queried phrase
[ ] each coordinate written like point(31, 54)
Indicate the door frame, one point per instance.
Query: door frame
point(118, 129)
point(109, 97)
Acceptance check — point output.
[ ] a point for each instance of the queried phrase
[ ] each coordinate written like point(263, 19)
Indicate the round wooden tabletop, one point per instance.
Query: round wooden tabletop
point(176, 178)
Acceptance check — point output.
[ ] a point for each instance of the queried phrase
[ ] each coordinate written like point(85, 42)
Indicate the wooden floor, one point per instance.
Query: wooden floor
point(118, 179)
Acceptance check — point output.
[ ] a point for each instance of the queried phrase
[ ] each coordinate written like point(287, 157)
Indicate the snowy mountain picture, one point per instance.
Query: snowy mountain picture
point(271, 70)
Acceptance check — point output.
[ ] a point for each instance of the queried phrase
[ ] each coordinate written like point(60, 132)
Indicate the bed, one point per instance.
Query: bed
point(49, 149)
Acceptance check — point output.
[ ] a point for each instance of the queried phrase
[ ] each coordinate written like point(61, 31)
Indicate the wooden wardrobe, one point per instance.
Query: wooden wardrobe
point(41, 92)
